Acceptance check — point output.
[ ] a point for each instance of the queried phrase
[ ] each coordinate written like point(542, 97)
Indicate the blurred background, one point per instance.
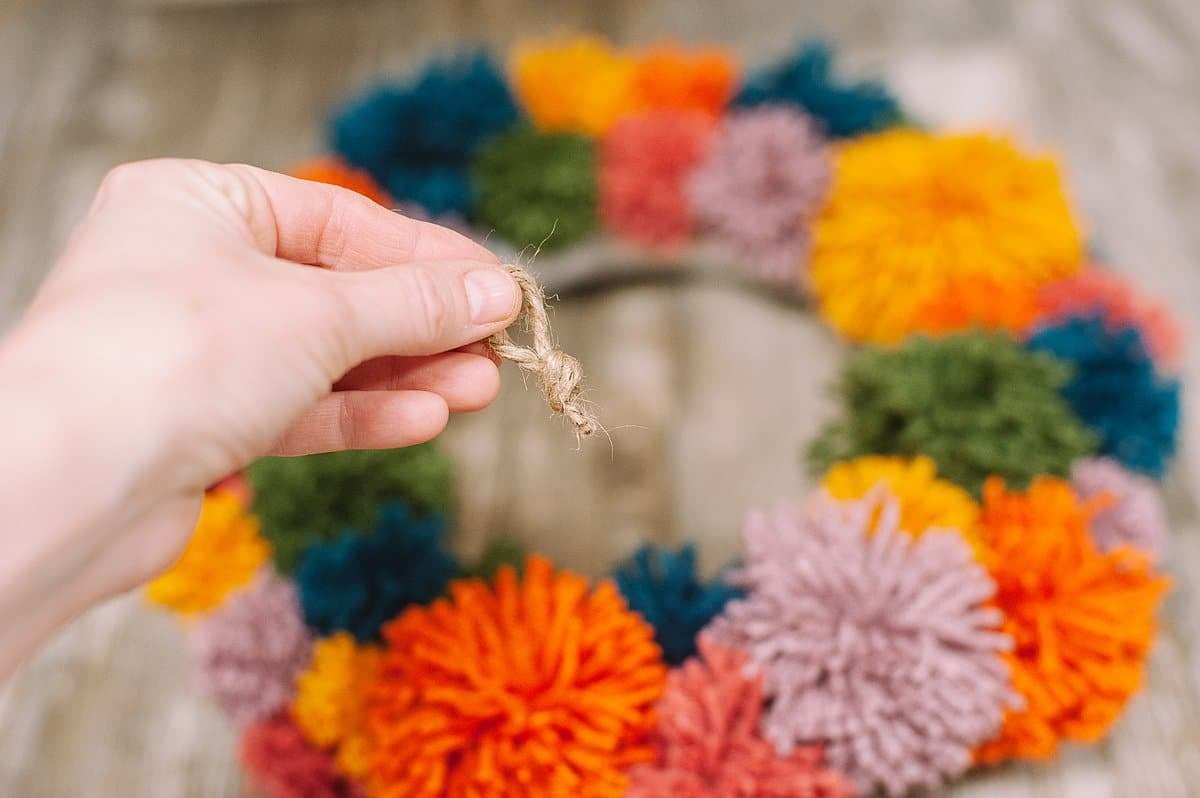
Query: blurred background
point(709, 394)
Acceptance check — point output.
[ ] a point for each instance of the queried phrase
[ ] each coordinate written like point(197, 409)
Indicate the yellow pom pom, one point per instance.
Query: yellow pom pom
point(578, 85)
point(912, 215)
point(225, 553)
point(328, 708)
point(925, 501)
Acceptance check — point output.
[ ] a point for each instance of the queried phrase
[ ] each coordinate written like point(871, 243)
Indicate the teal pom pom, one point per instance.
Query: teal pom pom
point(532, 184)
point(359, 582)
point(807, 80)
point(304, 501)
point(662, 586)
point(1116, 391)
point(418, 138)
point(976, 403)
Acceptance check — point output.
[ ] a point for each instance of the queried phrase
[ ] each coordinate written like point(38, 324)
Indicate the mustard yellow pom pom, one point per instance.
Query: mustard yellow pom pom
point(578, 85)
point(328, 708)
point(925, 501)
point(225, 553)
point(912, 215)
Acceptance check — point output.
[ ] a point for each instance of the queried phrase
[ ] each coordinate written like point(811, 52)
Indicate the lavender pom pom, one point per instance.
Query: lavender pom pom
point(764, 177)
point(246, 655)
point(1136, 518)
point(873, 642)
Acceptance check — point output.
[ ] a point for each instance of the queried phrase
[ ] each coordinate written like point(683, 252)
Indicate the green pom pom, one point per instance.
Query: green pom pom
point(304, 501)
point(530, 184)
point(499, 553)
point(977, 403)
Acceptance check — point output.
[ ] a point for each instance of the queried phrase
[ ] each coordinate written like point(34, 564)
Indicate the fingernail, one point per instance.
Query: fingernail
point(492, 295)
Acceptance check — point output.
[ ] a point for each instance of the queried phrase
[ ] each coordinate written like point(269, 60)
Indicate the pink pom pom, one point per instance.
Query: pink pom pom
point(644, 162)
point(707, 743)
point(247, 654)
point(282, 764)
point(765, 175)
point(1136, 518)
point(1096, 291)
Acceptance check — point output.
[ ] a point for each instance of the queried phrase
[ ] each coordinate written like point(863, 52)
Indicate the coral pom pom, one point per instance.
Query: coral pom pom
point(338, 173)
point(669, 76)
point(644, 164)
point(878, 644)
point(224, 553)
point(1082, 621)
point(247, 654)
point(1136, 517)
point(707, 743)
point(540, 683)
point(806, 80)
point(765, 175)
point(360, 581)
point(975, 404)
point(913, 216)
point(578, 85)
point(330, 702)
point(1116, 391)
point(303, 501)
point(662, 586)
point(538, 189)
point(282, 764)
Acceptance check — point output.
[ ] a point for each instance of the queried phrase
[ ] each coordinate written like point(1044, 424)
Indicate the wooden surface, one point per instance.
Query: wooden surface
point(709, 394)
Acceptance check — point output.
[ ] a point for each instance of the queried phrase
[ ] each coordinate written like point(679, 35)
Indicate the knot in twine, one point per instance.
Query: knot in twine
point(559, 375)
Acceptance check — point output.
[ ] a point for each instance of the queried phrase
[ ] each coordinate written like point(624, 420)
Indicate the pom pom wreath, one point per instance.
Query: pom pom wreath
point(329, 708)
point(765, 175)
point(925, 501)
point(360, 581)
point(881, 645)
point(662, 586)
point(532, 687)
point(1082, 621)
point(303, 501)
point(806, 79)
point(1116, 391)
point(538, 189)
point(247, 654)
point(575, 85)
point(1095, 292)
point(1136, 517)
point(282, 764)
point(669, 76)
point(224, 554)
point(417, 138)
point(976, 404)
point(913, 215)
point(707, 743)
point(338, 173)
point(644, 164)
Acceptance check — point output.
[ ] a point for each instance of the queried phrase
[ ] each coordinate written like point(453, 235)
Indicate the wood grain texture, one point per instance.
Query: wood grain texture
point(708, 392)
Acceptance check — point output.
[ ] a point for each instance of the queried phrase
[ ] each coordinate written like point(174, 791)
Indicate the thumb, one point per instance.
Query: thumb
point(422, 308)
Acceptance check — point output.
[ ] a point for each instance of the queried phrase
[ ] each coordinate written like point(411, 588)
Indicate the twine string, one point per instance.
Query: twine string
point(559, 376)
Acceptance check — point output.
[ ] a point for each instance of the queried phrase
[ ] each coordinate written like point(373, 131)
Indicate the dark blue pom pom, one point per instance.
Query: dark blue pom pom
point(359, 582)
point(1116, 391)
point(417, 138)
point(661, 585)
point(806, 79)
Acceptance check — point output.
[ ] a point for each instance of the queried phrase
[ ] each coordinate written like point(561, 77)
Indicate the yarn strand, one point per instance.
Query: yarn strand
point(559, 375)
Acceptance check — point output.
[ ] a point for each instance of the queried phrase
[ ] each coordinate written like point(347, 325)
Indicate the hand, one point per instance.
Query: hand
point(203, 316)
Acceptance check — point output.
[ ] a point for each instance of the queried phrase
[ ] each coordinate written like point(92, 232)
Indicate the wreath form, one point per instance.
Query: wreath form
point(976, 580)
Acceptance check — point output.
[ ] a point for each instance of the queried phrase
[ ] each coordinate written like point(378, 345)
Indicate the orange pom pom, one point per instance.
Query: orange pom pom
point(579, 85)
point(980, 302)
point(668, 76)
point(337, 173)
point(1082, 622)
point(537, 686)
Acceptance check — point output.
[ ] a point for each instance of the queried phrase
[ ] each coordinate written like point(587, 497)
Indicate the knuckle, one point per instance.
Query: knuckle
point(346, 421)
point(430, 307)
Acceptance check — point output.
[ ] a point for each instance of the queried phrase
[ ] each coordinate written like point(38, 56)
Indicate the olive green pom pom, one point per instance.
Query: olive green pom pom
point(499, 553)
point(304, 501)
point(977, 403)
point(530, 184)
